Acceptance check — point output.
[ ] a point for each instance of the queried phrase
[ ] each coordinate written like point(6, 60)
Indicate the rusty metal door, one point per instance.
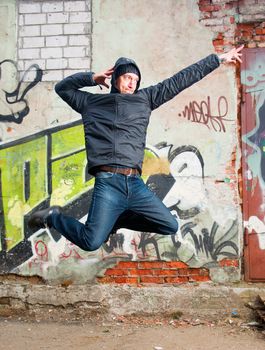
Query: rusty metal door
point(253, 162)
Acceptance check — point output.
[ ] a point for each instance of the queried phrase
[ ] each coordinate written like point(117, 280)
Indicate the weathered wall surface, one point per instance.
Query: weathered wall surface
point(46, 40)
point(192, 140)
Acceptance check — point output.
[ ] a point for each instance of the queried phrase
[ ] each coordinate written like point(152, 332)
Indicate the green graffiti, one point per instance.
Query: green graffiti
point(68, 178)
point(68, 164)
point(67, 141)
point(15, 205)
point(68, 172)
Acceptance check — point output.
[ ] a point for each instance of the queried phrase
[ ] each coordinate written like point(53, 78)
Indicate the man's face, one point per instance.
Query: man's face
point(127, 83)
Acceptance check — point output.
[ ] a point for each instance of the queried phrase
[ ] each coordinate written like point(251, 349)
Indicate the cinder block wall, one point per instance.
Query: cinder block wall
point(56, 35)
point(42, 155)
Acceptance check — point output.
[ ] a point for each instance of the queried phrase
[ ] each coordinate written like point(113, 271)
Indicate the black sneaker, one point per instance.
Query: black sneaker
point(38, 220)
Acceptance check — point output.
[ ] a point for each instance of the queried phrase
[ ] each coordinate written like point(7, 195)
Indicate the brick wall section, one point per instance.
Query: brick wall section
point(234, 22)
point(229, 263)
point(156, 272)
point(56, 35)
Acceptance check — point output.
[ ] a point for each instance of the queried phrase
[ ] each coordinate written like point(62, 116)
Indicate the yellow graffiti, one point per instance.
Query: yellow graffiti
point(60, 194)
point(16, 211)
point(156, 166)
point(15, 217)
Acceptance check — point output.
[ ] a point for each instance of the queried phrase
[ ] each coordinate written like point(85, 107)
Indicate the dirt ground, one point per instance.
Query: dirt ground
point(127, 334)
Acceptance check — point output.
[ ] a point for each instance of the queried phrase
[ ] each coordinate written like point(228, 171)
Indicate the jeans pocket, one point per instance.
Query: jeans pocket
point(104, 175)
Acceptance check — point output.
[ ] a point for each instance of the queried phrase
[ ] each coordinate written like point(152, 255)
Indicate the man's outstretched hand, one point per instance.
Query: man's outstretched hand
point(102, 77)
point(232, 56)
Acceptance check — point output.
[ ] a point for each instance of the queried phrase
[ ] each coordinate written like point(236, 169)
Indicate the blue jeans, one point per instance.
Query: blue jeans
point(118, 201)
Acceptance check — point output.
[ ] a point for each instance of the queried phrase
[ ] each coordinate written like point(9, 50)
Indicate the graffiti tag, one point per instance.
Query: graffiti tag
point(13, 105)
point(202, 113)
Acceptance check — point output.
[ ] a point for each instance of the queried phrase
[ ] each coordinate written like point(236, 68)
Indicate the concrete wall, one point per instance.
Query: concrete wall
point(42, 156)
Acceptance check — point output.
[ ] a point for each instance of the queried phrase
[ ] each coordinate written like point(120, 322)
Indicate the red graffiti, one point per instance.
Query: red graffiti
point(72, 252)
point(202, 113)
point(41, 249)
point(41, 255)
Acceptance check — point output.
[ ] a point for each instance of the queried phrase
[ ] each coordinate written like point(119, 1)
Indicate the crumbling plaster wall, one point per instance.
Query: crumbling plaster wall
point(192, 140)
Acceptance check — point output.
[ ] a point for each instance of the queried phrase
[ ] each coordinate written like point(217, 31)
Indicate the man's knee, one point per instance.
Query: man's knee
point(174, 227)
point(91, 244)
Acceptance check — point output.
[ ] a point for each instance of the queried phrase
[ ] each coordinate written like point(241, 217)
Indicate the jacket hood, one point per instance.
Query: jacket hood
point(123, 61)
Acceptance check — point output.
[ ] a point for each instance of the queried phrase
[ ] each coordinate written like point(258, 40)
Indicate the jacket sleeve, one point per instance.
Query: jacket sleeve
point(68, 89)
point(169, 88)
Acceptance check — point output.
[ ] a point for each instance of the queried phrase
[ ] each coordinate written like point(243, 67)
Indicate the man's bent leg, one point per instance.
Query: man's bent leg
point(152, 214)
point(106, 206)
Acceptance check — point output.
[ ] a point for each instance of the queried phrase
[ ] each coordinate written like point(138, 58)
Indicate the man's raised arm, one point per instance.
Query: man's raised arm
point(68, 88)
point(169, 88)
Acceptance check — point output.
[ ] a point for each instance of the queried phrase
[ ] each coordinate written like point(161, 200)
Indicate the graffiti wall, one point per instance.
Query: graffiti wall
point(191, 141)
point(252, 78)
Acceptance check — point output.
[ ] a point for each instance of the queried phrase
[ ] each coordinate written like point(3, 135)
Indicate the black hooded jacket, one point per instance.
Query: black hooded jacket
point(115, 124)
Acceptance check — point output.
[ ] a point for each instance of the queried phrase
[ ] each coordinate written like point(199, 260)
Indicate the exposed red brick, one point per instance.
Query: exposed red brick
point(229, 262)
point(218, 42)
point(199, 278)
point(182, 279)
point(217, 7)
point(204, 2)
point(133, 272)
point(151, 279)
point(260, 31)
point(219, 36)
point(175, 264)
point(183, 272)
point(140, 272)
point(209, 8)
point(128, 280)
point(106, 279)
point(127, 264)
point(203, 272)
point(165, 272)
point(116, 272)
point(158, 272)
point(193, 271)
point(229, 6)
point(237, 32)
point(222, 20)
point(150, 264)
point(245, 26)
